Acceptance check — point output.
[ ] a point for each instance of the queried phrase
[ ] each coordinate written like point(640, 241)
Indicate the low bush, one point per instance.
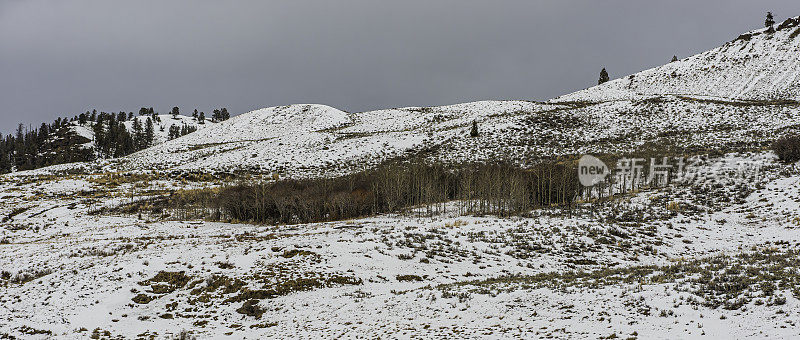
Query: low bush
point(787, 148)
point(251, 308)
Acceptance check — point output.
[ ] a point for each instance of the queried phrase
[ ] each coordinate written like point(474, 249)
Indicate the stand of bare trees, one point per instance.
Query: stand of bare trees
point(499, 189)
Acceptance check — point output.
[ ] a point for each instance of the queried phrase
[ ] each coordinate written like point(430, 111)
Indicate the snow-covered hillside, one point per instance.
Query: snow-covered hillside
point(741, 94)
point(316, 140)
point(670, 263)
point(161, 126)
point(757, 65)
point(317, 137)
point(164, 122)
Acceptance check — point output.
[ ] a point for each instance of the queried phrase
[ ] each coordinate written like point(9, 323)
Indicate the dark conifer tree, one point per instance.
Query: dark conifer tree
point(474, 131)
point(603, 77)
point(5, 163)
point(149, 133)
point(99, 136)
point(111, 141)
point(138, 135)
point(123, 144)
point(769, 22)
point(43, 133)
point(174, 132)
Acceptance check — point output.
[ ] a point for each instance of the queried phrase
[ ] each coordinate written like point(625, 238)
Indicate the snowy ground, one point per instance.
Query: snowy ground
point(676, 262)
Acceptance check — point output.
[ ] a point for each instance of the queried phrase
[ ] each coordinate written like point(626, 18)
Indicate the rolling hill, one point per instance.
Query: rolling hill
point(756, 66)
point(740, 95)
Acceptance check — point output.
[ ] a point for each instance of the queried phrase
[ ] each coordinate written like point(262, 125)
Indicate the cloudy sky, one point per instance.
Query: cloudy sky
point(59, 58)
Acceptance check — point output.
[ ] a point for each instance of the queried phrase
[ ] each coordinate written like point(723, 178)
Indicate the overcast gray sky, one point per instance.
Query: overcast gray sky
point(60, 58)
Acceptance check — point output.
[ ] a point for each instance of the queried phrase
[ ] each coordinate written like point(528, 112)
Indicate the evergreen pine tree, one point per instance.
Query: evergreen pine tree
point(174, 132)
point(149, 133)
point(474, 131)
point(202, 117)
point(111, 140)
point(175, 112)
point(99, 135)
point(30, 151)
point(194, 114)
point(674, 58)
point(769, 22)
point(5, 164)
point(138, 135)
point(17, 148)
point(42, 134)
point(603, 77)
point(123, 142)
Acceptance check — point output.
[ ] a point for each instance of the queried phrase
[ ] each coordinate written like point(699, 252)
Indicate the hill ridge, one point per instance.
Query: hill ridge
point(757, 65)
point(741, 94)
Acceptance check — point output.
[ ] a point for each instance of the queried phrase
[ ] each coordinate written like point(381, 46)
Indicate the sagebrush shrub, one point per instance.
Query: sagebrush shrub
point(787, 148)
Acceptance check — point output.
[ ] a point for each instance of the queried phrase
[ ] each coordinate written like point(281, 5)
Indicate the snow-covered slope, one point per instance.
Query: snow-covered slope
point(758, 65)
point(164, 122)
point(680, 262)
point(315, 140)
point(161, 126)
point(741, 94)
point(295, 138)
point(256, 135)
